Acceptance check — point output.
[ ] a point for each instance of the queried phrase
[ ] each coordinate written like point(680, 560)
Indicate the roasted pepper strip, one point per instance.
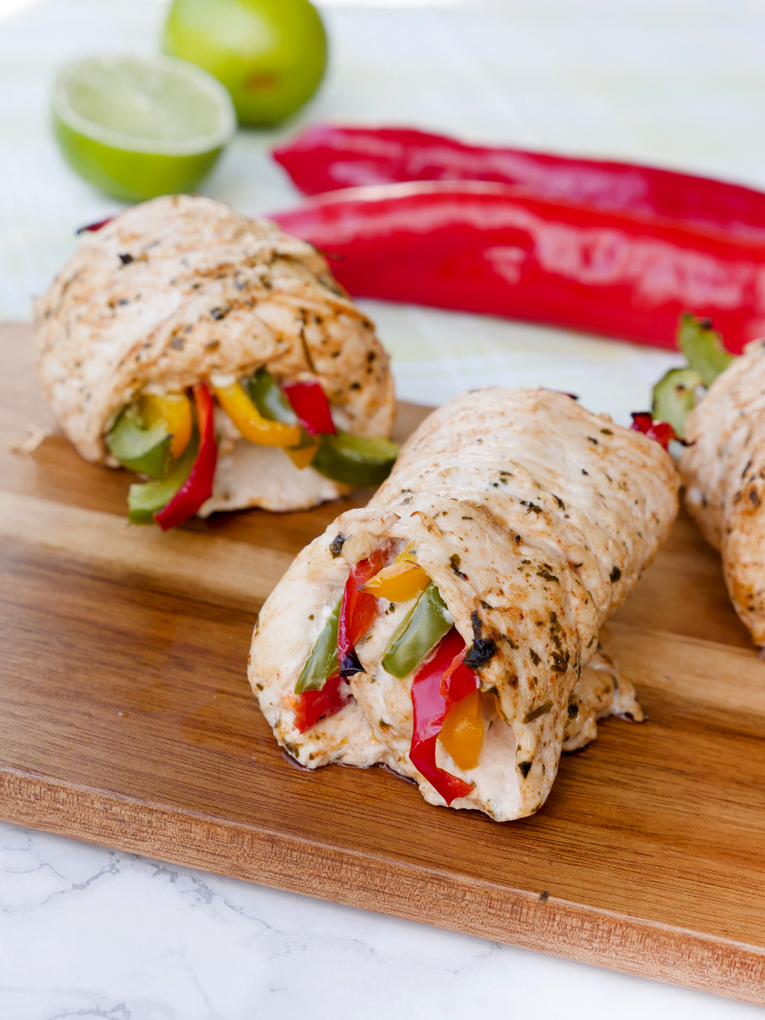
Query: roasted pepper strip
point(174, 411)
point(661, 431)
point(357, 612)
point(399, 582)
point(251, 423)
point(311, 406)
point(138, 447)
point(311, 706)
point(674, 397)
point(322, 662)
point(199, 485)
point(355, 460)
point(462, 731)
point(703, 347)
point(419, 632)
point(146, 498)
point(266, 394)
point(438, 684)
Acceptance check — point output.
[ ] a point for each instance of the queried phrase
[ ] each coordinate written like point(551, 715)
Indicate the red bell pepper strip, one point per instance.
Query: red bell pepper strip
point(91, 228)
point(310, 706)
point(438, 684)
point(661, 431)
point(480, 247)
point(326, 157)
point(199, 485)
point(357, 611)
point(311, 406)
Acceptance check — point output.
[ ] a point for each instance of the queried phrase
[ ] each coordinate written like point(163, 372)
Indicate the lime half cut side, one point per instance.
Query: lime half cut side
point(138, 128)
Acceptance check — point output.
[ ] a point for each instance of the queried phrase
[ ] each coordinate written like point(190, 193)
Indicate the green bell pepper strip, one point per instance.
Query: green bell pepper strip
point(703, 347)
point(355, 460)
point(322, 662)
point(267, 395)
point(141, 449)
point(418, 633)
point(674, 397)
point(145, 499)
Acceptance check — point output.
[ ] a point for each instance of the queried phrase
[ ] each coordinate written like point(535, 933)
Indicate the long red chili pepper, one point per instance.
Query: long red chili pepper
point(326, 157)
point(441, 682)
point(661, 431)
point(488, 248)
point(357, 611)
point(310, 706)
point(311, 406)
point(199, 485)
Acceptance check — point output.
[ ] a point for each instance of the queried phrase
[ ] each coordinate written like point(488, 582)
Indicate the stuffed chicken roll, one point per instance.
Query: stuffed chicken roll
point(217, 357)
point(444, 629)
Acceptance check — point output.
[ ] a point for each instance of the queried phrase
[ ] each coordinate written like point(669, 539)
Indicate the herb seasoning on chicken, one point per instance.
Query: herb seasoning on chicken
point(218, 357)
point(446, 628)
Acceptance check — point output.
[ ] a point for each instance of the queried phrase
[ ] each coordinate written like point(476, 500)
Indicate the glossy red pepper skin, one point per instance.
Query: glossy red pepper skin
point(437, 685)
point(311, 406)
point(491, 249)
point(327, 157)
point(199, 485)
point(310, 706)
point(357, 611)
point(661, 431)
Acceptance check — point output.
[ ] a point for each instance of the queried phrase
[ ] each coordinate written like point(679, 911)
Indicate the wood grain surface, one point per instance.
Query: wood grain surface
point(126, 719)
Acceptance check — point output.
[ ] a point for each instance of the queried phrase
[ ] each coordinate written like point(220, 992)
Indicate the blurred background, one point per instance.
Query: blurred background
point(679, 83)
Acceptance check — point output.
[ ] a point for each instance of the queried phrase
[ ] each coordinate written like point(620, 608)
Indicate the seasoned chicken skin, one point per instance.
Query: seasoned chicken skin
point(184, 288)
point(534, 518)
point(723, 470)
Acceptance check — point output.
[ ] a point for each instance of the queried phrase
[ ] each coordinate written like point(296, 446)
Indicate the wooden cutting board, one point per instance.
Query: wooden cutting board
point(126, 719)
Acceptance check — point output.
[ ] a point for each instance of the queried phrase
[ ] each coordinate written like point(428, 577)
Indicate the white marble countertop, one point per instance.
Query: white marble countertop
point(90, 932)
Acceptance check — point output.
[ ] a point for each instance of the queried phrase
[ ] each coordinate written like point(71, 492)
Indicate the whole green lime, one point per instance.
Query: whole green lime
point(139, 127)
point(270, 54)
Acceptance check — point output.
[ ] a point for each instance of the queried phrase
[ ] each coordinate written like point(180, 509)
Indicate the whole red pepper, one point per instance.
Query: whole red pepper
point(441, 682)
point(310, 706)
point(357, 611)
point(480, 247)
point(311, 406)
point(661, 431)
point(199, 485)
point(326, 157)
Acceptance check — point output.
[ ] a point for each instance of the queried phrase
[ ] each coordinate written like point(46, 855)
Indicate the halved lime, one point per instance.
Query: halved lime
point(139, 127)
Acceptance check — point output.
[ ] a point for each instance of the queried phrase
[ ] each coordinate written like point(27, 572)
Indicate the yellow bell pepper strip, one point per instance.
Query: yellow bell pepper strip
point(251, 423)
point(462, 731)
point(399, 582)
point(174, 410)
point(301, 456)
point(441, 681)
point(266, 394)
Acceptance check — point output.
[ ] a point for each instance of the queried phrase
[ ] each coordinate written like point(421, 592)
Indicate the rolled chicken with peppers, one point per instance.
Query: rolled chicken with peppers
point(716, 403)
point(450, 628)
point(217, 357)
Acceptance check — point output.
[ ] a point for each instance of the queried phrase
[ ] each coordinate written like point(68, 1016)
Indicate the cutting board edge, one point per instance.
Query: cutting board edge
point(352, 878)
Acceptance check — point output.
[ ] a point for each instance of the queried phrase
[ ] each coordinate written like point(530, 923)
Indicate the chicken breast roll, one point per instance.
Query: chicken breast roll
point(183, 332)
point(723, 470)
point(444, 629)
